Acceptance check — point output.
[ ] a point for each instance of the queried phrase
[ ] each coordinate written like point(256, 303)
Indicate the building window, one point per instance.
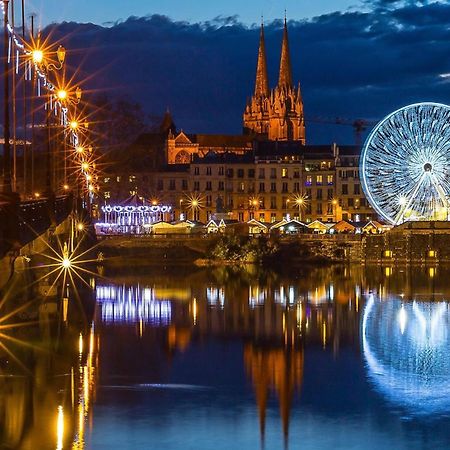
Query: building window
point(308, 193)
point(284, 173)
point(241, 187)
point(196, 170)
point(240, 173)
point(107, 179)
point(273, 173)
point(208, 186)
point(330, 194)
point(251, 173)
point(356, 189)
point(284, 202)
point(251, 215)
point(297, 187)
point(230, 173)
point(184, 185)
point(273, 187)
point(241, 216)
point(221, 172)
point(330, 180)
point(273, 203)
point(319, 194)
point(308, 181)
point(107, 194)
point(262, 173)
point(345, 189)
point(319, 180)
point(132, 178)
point(208, 170)
point(273, 217)
point(262, 187)
point(221, 186)
point(285, 187)
point(196, 185)
point(350, 203)
point(160, 185)
point(262, 217)
point(118, 179)
point(296, 173)
point(208, 200)
point(330, 208)
point(262, 203)
point(319, 208)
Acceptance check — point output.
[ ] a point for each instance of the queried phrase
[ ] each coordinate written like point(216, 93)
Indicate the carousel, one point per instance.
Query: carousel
point(133, 216)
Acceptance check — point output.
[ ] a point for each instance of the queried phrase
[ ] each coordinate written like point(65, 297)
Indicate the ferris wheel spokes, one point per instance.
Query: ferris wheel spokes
point(410, 199)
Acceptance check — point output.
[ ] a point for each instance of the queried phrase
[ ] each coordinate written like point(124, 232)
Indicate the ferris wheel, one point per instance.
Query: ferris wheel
point(405, 164)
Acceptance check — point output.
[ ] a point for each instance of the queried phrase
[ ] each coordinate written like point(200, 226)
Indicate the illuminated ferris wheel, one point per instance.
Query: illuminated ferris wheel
point(405, 164)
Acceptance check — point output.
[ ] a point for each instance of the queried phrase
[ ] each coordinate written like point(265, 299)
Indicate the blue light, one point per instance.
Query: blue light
point(405, 346)
point(404, 164)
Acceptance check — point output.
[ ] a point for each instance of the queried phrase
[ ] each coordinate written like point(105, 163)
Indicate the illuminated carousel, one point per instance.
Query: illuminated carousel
point(133, 216)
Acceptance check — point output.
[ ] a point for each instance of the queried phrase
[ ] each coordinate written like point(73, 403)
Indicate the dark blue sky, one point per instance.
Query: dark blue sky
point(358, 63)
point(249, 11)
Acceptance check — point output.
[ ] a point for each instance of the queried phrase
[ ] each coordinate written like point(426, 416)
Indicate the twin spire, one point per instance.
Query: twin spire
point(285, 75)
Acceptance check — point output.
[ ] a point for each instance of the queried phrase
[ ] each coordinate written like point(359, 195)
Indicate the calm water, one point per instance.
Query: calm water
point(334, 358)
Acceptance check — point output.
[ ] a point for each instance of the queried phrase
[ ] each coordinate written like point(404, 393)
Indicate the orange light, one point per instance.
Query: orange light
point(85, 166)
point(37, 56)
point(61, 94)
point(37, 195)
point(79, 149)
point(74, 124)
point(66, 187)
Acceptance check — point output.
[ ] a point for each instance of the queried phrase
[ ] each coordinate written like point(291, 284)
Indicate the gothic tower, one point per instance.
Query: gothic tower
point(275, 114)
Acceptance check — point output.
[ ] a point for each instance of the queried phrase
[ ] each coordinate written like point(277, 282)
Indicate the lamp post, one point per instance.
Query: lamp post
point(61, 94)
point(7, 187)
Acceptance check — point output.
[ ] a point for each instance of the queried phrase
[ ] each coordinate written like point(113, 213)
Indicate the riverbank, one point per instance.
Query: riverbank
point(231, 250)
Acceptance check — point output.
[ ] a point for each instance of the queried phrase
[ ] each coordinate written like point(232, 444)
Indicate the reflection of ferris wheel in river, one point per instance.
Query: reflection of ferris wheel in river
point(405, 164)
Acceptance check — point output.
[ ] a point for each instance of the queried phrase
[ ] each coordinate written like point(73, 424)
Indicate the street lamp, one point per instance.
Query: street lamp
point(300, 201)
point(7, 187)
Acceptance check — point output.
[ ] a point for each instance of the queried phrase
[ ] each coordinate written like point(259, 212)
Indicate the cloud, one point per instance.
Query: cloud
point(358, 64)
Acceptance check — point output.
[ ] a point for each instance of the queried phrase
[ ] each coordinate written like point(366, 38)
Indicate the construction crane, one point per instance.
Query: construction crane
point(359, 125)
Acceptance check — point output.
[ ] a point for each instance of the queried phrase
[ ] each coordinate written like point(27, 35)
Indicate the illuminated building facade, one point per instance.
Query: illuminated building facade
point(276, 114)
point(267, 174)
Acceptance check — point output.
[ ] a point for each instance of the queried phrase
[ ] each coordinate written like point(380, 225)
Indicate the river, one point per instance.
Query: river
point(202, 359)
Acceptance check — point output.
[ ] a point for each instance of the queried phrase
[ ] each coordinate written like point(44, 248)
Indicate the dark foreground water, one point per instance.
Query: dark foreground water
point(333, 358)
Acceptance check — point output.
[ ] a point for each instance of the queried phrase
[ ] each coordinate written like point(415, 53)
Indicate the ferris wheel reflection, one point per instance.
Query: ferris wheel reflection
point(405, 346)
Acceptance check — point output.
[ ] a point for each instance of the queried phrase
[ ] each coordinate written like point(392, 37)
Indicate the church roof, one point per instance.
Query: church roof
point(285, 76)
point(262, 80)
point(222, 140)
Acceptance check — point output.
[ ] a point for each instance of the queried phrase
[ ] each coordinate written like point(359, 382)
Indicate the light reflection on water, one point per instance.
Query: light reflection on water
point(332, 358)
point(406, 347)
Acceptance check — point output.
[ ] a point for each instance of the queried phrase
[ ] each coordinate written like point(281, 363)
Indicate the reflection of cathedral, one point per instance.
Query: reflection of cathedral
point(276, 114)
point(278, 369)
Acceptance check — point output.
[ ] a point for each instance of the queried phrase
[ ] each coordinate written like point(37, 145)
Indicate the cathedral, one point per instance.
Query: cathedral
point(275, 114)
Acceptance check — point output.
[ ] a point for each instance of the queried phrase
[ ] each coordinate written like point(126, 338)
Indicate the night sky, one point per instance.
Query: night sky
point(362, 62)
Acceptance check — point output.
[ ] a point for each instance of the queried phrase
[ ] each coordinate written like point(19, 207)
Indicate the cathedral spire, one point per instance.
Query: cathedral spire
point(285, 78)
point(262, 81)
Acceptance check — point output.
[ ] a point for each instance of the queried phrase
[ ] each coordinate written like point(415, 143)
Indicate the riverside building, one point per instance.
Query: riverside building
point(268, 173)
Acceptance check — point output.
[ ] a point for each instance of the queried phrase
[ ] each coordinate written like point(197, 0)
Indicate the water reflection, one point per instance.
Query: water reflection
point(273, 317)
point(406, 345)
point(316, 359)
